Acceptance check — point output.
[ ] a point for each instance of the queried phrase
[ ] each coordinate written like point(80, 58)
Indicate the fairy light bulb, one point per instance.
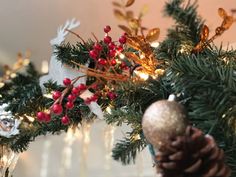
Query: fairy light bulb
point(44, 67)
point(108, 109)
point(122, 56)
point(142, 56)
point(142, 75)
point(155, 44)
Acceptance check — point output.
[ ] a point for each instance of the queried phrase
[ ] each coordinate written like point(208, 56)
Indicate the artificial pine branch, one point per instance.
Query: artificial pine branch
point(186, 17)
point(126, 150)
point(25, 98)
point(79, 53)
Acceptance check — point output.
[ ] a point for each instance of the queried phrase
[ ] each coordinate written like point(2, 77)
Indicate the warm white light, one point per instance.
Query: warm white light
point(47, 95)
point(108, 110)
point(155, 44)
point(142, 56)
point(26, 62)
point(142, 75)
point(13, 75)
point(122, 56)
point(44, 68)
point(31, 119)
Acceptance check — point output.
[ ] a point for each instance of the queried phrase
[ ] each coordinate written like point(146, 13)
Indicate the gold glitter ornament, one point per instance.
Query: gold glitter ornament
point(162, 120)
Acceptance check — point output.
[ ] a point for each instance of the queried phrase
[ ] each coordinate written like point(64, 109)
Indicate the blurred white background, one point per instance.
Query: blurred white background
point(31, 24)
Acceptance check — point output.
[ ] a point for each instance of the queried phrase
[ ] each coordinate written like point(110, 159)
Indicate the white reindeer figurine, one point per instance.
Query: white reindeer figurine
point(58, 71)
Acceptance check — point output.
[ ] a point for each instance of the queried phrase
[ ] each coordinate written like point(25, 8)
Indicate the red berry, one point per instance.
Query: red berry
point(120, 48)
point(71, 97)
point(57, 109)
point(41, 116)
point(102, 61)
point(112, 95)
point(88, 101)
point(69, 105)
point(47, 118)
point(56, 95)
point(113, 62)
point(124, 34)
point(122, 39)
point(107, 29)
point(82, 87)
point(93, 54)
point(75, 91)
point(66, 81)
point(94, 86)
point(111, 46)
point(97, 47)
point(112, 53)
point(123, 65)
point(107, 39)
point(94, 98)
point(65, 120)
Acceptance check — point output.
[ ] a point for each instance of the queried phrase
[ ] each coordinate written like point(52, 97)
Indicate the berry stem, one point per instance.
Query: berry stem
point(77, 36)
point(95, 37)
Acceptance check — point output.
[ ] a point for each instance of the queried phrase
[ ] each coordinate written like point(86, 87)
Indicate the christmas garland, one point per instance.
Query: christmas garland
point(123, 78)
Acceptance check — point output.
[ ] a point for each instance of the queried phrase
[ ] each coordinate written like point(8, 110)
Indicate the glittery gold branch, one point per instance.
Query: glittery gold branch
point(134, 24)
point(136, 37)
point(102, 74)
point(227, 22)
point(10, 72)
point(144, 57)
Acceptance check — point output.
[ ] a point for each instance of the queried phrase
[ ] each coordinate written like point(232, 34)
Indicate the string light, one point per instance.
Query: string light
point(142, 75)
point(122, 56)
point(44, 68)
point(155, 44)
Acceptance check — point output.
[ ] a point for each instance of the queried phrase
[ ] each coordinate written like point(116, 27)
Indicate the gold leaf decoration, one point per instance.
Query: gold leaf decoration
point(233, 10)
point(204, 33)
point(135, 42)
point(129, 15)
point(125, 29)
point(133, 57)
point(153, 34)
point(116, 4)
point(228, 21)
point(222, 12)
point(119, 15)
point(129, 3)
point(134, 23)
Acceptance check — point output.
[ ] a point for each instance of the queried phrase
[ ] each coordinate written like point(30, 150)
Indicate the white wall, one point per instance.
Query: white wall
point(30, 24)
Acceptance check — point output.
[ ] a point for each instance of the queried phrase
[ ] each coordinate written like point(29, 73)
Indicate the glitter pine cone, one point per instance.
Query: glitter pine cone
point(192, 155)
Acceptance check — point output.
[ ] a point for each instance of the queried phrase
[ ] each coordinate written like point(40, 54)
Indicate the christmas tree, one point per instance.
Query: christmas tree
point(123, 78)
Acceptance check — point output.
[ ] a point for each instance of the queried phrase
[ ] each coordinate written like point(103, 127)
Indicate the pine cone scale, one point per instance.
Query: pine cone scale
point(194, 167)
point(177, 156)
point(212, 171)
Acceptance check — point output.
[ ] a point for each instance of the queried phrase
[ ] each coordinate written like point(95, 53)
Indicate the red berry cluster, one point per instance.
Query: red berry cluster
point(57, 96)
point(111, 53)
point(105, 56)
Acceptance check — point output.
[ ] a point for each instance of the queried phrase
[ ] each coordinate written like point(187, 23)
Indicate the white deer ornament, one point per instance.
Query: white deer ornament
point(59, 71)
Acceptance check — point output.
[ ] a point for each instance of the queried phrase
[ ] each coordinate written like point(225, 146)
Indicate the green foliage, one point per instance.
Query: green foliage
point(205, 83)
point(126, 150)
point(185, 33)
point(25, 98)
point(79, 53)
